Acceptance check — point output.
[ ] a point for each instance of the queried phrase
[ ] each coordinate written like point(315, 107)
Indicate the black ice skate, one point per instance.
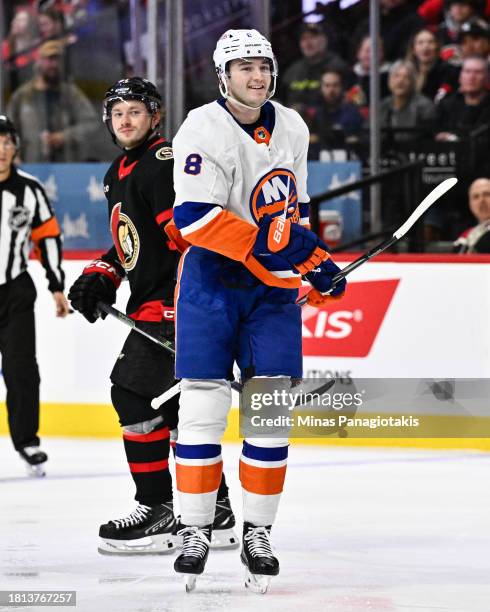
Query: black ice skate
point(195, 551)
point(257, 557)
point(224, 536)
point(146, 531)
point(35, 459)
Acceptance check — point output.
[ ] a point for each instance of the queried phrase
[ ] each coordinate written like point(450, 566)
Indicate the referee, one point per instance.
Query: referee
point(25, 215)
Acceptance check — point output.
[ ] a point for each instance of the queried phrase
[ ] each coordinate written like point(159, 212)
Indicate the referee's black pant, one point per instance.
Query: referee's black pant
point(19, 365)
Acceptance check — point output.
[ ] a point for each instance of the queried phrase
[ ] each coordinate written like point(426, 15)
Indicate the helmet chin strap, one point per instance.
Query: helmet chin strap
point(228, 97)
point(223, 87)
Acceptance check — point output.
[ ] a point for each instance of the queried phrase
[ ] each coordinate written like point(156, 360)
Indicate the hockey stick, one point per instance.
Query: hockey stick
point(114, 312)
point(169, 346)
point(165, 344)
point(426, 203)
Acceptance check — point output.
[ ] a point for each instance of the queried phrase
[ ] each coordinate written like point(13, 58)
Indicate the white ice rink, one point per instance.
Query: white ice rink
point(376, 530)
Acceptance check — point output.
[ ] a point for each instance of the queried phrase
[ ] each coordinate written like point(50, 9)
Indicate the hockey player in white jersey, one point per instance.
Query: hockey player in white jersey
point(241, 210)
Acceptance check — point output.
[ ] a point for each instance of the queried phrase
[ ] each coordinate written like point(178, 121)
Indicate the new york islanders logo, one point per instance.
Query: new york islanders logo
point(274, 193)
point(126, 238)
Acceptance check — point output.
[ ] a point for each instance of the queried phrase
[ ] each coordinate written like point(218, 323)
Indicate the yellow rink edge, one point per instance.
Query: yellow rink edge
point(100, 421)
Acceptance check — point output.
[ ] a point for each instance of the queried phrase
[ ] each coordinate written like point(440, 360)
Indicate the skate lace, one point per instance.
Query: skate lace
point(139, 514)
point(195, 544)
point(258, 541)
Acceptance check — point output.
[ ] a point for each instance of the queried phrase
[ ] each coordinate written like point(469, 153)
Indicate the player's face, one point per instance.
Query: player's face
point(131, 122)
point(7, 154)
point(249, 80)
point(480, 199)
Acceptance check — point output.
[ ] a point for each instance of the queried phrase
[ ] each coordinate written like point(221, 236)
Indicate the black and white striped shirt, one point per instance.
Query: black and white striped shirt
point(26, 215)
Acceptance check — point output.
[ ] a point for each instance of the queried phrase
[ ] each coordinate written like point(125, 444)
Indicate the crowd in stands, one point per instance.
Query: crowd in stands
point(476, 239)
point(433, 75)
point(434, 60)
point(433, 78)
point(54, 118)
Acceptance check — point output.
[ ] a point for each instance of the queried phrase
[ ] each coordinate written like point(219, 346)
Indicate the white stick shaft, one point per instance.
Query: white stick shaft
point(156, 402)
point(286, 202)
point(426, 203)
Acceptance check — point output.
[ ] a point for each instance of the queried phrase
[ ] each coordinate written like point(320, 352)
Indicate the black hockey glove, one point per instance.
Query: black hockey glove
point(98, 283)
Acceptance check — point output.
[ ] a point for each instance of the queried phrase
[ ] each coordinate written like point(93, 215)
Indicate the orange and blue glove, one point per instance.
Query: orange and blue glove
point(304, 252)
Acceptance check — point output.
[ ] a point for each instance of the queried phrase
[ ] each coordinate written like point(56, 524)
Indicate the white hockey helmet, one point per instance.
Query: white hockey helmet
point(242, 44)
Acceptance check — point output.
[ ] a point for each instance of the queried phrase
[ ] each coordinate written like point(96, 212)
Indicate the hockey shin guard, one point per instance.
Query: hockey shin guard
point(262, 473)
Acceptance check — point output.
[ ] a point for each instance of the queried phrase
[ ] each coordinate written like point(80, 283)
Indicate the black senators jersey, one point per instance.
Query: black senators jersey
point(140, 193)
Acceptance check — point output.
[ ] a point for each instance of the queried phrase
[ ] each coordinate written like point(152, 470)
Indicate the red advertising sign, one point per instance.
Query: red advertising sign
point(349, 326)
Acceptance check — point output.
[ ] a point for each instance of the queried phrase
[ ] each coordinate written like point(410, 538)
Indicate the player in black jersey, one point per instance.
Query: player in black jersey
point(140, 195)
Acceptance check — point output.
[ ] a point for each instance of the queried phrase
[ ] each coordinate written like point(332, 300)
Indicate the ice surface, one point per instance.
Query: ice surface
point(358, 529)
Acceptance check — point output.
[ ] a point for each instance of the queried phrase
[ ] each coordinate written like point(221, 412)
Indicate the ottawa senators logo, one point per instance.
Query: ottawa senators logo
point(273, 193)
point(126, 238)
point(164, 153)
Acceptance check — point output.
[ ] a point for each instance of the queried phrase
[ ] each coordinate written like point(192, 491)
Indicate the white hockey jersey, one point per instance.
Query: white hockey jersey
point(225, 181)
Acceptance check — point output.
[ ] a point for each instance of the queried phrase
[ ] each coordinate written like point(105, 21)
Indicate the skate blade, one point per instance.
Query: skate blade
point(224, 539)
point(36, 471)
point(154, 545)
point(257, 583)
point(190, 582)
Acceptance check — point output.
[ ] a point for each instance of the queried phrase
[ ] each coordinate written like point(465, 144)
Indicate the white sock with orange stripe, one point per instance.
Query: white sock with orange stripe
point(262, 472)
point(198, 472)
point(204, 406)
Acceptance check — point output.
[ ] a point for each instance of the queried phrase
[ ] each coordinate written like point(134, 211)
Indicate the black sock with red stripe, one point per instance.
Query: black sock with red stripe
point(147, 456)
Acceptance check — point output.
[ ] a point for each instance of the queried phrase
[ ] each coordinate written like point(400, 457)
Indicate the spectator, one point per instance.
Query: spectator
point(335, 122)
point(19, 48)
point(431, 11)
point(406, 108)
point(469, 108)
point(54, 118)
point(399, 20)
point(434, 77)
point(360, 91)
point(474, 39)
point(301, 81)
point(457, 13)
point(477, 239)
point(51, 24)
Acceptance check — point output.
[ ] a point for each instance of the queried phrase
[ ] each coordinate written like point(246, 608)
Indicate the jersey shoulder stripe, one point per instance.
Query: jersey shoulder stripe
point(191, 216)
